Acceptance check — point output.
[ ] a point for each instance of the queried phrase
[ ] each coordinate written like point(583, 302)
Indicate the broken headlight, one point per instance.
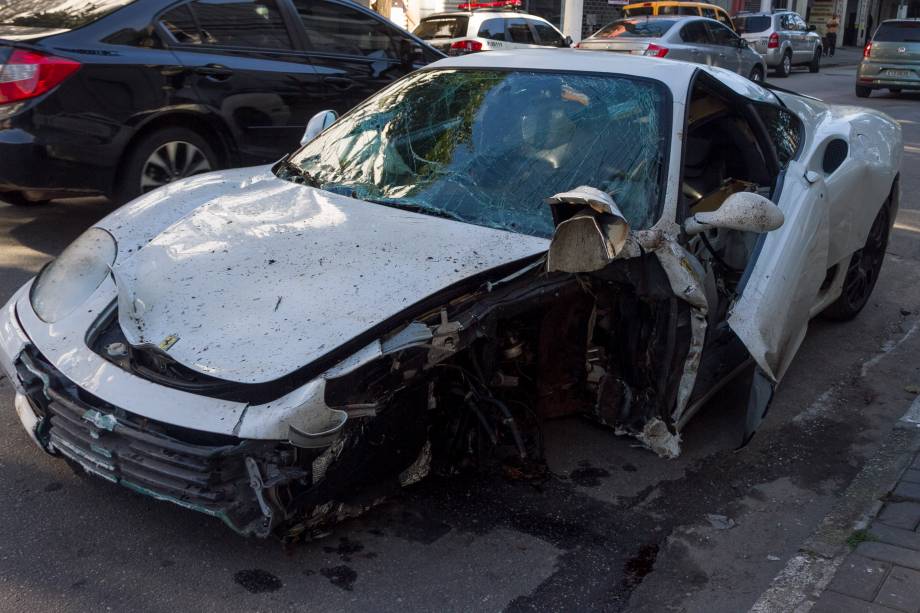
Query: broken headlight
point(67, 282)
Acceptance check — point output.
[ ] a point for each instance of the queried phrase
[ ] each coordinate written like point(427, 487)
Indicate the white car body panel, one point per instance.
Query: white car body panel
point(826, 221)
point(272, 275)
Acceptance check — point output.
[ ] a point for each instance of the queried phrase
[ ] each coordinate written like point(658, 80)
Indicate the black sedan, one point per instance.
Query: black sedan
point(118, 97)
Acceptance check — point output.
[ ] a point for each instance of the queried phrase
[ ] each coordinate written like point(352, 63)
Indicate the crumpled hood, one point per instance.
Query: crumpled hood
point(256, 277)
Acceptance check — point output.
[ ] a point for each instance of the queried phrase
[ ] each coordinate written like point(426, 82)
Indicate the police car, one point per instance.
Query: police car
point(487, 26)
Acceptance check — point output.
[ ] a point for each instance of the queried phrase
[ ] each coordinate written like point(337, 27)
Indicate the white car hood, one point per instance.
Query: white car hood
point(255, 277)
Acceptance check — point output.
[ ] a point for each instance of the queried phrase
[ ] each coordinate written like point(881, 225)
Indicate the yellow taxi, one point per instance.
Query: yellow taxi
point(703, 9)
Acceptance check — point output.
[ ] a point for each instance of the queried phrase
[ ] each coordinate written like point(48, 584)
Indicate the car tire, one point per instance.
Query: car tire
point(862, 91)
point(756, 74)
point(785, 65)
point(863, 271)
point(19, 199)
point(815, 65)
point(895, 90)
point(161, 157)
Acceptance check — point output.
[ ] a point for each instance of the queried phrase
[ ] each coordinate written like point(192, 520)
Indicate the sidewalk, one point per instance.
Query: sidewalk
point(843, 56)
point(882, 575)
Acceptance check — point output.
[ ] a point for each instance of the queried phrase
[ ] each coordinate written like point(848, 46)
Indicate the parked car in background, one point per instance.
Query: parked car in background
point(121, 97)
point(696, 9)
point(692, 39)
point(783, 39)
point(891, 59)
point(485, 27)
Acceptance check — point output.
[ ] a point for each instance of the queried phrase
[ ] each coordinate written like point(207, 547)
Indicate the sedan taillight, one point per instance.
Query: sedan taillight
point(654, 50)
point(868, 50)
point(773, 41)
point(466, 46)
point(27, 74)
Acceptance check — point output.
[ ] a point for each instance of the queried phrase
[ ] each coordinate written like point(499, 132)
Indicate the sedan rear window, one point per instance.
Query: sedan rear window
point(56, 14)
point(898, 32)
point(442, 27)
point(486, 147)
point(626, 28)
point(752, 24)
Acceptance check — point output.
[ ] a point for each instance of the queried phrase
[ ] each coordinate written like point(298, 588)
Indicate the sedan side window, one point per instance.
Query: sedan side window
point(548, 34)
point(695, 32)
point(493, 29)
point(518, 31)
point(784, 128)
point(721, 35)
point(336, 28)
point(255, 24)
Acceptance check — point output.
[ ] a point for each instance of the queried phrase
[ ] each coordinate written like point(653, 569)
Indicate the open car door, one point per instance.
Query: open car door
point(784, 276)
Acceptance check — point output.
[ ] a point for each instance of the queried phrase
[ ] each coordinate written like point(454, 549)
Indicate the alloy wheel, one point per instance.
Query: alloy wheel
point(170, 162)
point(866, 263)
point(787, 64)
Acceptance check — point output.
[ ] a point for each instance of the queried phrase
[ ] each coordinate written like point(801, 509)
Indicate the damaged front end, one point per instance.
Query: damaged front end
point(609, 323)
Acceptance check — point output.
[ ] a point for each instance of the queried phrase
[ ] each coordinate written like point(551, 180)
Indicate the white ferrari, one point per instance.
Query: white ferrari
point(492, 241)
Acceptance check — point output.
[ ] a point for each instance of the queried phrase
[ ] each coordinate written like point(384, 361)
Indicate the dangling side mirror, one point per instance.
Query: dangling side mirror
point(745, 211)
point(568, 41)
point(317, 124)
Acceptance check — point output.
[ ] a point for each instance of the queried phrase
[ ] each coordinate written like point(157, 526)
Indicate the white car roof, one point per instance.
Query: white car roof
point(483, 15)
point(673, 73)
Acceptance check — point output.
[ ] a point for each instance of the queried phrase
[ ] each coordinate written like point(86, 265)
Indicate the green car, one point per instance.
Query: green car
point(891, 59)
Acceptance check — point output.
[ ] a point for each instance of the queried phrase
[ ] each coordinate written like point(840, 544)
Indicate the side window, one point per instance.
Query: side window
point(336, 28)
point(787, 23)
point(721, 35)
point(784, 128)
point(688, 10)
point(493, 29)
point(668, 9)
point(548, 34)
point(800, 25)
point(708, 12)
point(695, 32)
point(723, 17)
point(181, 25)
point(518, 31)
point(255, 24)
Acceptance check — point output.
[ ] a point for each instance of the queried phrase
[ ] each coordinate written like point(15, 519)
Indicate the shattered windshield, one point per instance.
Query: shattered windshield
point(487, 147)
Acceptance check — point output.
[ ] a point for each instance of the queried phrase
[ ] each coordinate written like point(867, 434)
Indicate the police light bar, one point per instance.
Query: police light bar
point(469, 6)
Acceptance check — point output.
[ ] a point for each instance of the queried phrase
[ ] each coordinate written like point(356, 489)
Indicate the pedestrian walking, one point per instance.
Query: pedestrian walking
point(831, 32)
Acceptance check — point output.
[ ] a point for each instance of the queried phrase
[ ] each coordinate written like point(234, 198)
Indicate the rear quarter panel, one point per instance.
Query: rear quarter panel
point(863, 182)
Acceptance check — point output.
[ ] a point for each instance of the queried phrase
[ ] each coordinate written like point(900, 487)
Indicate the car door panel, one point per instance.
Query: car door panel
point(241, 61)
point(354, 52)
point(782, 282)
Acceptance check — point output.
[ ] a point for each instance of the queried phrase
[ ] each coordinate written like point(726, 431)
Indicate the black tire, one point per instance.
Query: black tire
point(19, 199)
point(895, 90)
point(862, 91)
point(756, 74)
point(815, 65)
point(863, 271)
point(161, 157)
point(785, 65)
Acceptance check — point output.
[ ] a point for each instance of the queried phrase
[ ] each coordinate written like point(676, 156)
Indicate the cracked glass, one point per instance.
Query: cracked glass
point(487, 147)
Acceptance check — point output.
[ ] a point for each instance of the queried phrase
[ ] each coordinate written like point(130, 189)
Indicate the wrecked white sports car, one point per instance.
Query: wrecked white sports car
point(495, 240)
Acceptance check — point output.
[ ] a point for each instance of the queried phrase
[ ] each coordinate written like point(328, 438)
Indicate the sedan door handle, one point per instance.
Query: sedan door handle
point(340, 83)
point(216, 72)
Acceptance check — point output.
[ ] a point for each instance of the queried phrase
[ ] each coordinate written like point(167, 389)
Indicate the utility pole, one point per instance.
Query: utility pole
point(571, 18)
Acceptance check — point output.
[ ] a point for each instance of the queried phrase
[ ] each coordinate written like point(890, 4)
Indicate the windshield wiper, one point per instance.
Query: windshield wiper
point(288, 170)
point(415, 208)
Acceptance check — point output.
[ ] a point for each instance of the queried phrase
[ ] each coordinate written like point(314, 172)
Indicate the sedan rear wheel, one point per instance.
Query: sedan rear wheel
point(162, 157)
point(863, 271)
point(785, 65)
point(757, 74)
point(862, 91)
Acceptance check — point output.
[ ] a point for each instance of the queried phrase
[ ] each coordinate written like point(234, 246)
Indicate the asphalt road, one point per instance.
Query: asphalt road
point(615, 528)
